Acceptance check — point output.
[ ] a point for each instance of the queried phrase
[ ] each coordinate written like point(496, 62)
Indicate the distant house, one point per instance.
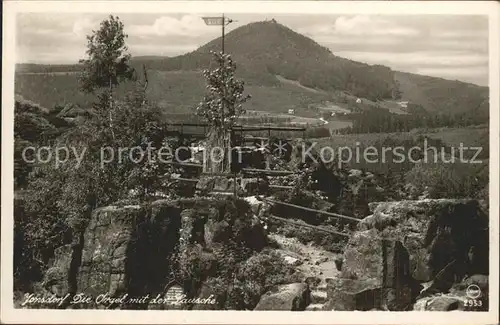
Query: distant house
point(291, 111)
point(403, 104)
point(333, 114)
point(358, 101)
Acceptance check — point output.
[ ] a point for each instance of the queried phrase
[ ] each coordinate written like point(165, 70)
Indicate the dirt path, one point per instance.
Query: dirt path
point(314, 262)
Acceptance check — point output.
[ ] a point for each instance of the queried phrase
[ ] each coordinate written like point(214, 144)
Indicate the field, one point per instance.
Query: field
point(472, 136)
point(177, 92)
point(444, 137)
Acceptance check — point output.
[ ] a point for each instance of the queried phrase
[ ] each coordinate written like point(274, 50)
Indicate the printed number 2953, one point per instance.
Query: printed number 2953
point(473, 303)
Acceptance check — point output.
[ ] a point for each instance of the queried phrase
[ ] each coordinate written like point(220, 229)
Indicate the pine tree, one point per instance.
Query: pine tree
point(221, 107)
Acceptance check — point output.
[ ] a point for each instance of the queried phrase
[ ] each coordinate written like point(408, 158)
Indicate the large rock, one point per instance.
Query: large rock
point(293, 297)
point(440, 302)
point(405, 243)
point(218, 184)
point(254, 186)
point(434, 232)
point(127, 249)
point(460, 297)
point(374, 275)
point(351, 294)
point(56, 277)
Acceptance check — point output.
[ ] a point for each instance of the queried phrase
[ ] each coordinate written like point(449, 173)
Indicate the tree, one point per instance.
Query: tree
point(108, 61)
point(59, 200)
point(221, 107)
point(107, 64)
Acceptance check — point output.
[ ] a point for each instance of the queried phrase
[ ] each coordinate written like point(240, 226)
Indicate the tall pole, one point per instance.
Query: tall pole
point(222, 70)
point(222, 21)
point(223, 27)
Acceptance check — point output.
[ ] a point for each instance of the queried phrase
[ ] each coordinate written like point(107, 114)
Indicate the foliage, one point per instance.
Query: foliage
point(235, 264)
point(449, 180)
point(108, 61)
point(223, 103)
point(379, 119)
point(264, 50)
point(242, 289)
point(58, 200)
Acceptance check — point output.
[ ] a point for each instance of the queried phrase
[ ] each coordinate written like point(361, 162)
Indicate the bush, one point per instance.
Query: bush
point(318, 132)
point(330, 242)
point(451, 180)
point(243, 288)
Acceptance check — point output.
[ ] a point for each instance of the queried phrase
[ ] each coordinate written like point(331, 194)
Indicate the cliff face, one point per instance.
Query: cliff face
point(135, 250)
point(404, 247)
point(404, 253)
point(123, 250)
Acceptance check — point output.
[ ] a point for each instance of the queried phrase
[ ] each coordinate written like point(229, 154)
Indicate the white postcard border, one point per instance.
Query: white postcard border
point(11, 8)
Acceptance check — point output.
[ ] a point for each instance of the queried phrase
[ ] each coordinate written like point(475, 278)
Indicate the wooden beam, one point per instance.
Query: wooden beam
point(283, 187)
point(245, 127)
point(270, 128)
point(182, 179)
point(250, 138)
point(218, 174)
point(175, 163)
point(221, 193)
point(267, 171)
point(298, 224)
point(312, 210)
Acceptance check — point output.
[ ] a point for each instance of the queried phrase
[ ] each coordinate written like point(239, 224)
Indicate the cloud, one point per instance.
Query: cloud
point(436, 45)
point(422, 58)
point(476, 75)
point(187, 25)
point(162, 50)
point(360, 25)
point(49, 54)
point(368, 25)
point(466, 66)
point(84, 26)
point(460, 34)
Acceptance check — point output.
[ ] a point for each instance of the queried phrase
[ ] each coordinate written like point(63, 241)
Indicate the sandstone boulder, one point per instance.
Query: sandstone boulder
point(56, 277)
point(440, 302)
point(127, 249)
point(208, 184)
point(292, 297)
point(434, 232)
point(254, 186)
point(404, 244)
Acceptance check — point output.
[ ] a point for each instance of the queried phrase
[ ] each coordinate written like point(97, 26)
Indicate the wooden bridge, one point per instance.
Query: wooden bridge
point(200, 130)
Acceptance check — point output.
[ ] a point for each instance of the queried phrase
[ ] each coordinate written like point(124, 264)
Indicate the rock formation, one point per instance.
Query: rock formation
point(405, 244)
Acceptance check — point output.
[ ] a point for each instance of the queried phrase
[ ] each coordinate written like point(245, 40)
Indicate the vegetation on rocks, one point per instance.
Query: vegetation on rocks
point(58, 200)
point(72, 219)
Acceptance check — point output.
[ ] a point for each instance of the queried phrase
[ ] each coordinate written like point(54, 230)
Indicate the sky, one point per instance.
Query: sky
point(446, 46)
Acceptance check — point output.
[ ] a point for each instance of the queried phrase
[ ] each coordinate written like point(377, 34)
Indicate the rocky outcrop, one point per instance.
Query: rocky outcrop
point(127, 249)
point(134, 250)
point(469, 295)
point(403, 244)
point(293, 297)
point(55, 280)
point(206, 185)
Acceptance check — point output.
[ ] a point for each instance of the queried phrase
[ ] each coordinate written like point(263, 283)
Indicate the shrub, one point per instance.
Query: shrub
point(451, 180)
point(243, 288)
point(330, 242)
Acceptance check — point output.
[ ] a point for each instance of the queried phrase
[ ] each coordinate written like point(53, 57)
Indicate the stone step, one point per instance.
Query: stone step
point(321, 287)
point(314, 307)
point(318, 296)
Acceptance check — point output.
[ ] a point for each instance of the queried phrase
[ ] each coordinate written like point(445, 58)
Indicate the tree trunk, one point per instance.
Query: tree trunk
point(216, 158)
